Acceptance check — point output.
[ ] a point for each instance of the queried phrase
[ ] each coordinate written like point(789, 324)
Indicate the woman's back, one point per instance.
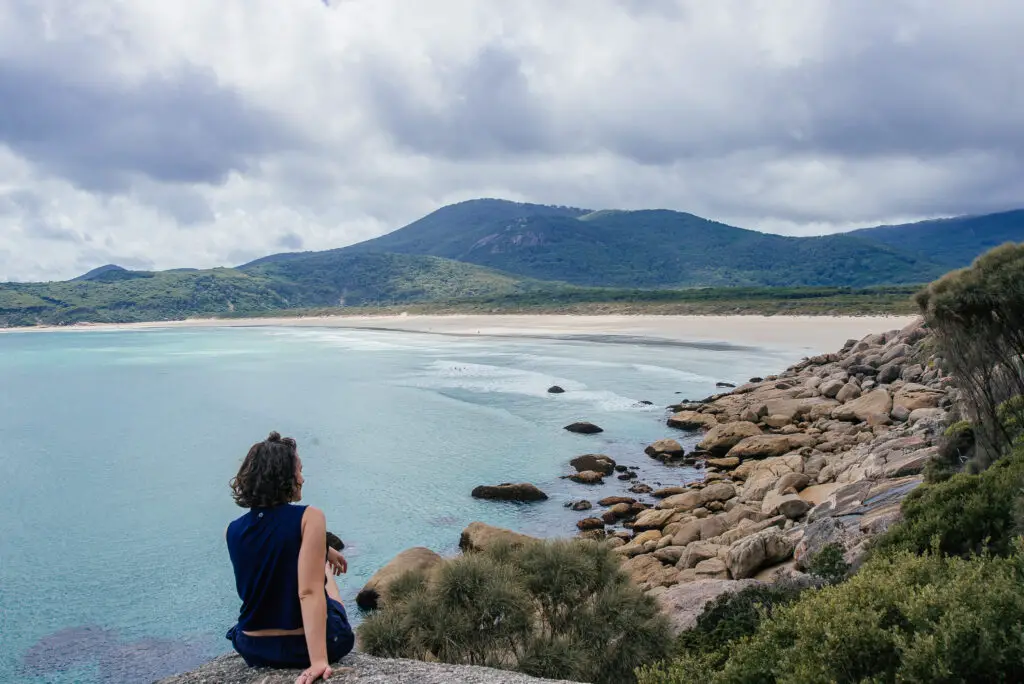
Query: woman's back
point(264, 548)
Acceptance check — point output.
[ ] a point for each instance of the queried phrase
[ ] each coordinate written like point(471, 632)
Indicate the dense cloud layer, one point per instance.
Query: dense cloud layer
point(191, 133)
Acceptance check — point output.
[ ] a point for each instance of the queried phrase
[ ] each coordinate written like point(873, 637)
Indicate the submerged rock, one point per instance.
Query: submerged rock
point(584, 428)
point(507, 491)
point(596, 462)
point(555, 389)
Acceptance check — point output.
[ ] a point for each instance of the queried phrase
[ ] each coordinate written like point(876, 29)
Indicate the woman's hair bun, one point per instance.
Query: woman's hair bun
point(275, 436)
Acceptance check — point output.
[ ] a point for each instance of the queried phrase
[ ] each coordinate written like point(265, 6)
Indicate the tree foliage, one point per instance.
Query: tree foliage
point(977, 315)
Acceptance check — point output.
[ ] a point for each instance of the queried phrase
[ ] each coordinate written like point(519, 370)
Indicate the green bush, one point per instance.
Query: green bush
point(731, 616)
point(968, 513)
point(906, 617)
point(561, 609)
point(829, 564)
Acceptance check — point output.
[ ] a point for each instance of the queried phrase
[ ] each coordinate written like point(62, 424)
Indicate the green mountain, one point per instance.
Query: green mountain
point(116, 295)
point(650, 248)
point(954, 242)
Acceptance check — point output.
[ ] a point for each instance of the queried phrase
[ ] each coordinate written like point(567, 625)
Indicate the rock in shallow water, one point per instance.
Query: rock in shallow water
point(584, 428)
point(507, 491)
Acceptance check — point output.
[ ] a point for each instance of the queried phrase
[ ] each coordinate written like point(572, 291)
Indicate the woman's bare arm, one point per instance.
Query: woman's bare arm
point(311, 589)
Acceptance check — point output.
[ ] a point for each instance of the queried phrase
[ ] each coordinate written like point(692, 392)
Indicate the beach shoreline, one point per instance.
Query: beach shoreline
point(806, 332)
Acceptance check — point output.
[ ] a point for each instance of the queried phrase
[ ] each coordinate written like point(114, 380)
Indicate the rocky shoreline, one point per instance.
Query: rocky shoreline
point(821, 454)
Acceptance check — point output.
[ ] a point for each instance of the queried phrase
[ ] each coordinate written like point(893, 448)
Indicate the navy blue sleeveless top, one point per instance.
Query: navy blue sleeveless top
point(264, 548)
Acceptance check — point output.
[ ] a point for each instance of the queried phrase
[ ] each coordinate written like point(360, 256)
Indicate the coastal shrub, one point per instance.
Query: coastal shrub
point(905, 617)
point(977, 316)
point(562, 610)
point(955, 450)
point(731, 616)
point(829, 564)
point(968, 513)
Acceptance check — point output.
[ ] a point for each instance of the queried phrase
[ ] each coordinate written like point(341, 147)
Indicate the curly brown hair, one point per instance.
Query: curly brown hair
point(267, 476)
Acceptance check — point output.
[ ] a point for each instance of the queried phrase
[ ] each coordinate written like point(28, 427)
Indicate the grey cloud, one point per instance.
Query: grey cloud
point(489, 108)
point(178, 128)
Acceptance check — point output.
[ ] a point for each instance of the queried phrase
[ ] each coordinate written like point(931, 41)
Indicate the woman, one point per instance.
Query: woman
point(291, 615)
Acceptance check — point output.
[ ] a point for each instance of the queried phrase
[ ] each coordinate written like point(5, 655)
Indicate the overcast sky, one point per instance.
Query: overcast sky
point(170, 133)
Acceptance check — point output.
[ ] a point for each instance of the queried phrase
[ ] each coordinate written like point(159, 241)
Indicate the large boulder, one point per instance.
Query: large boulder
point(912, 397)
point(877, 402)
point(664, 449)
point(648, 572)
point(720, 491)
point(691, 420)
point(790, 505)
point(686, 501)
point(725, 436)
point(522, 491)
point(374, 592)
point(596, 462)
point(654, 519)
point(766, 446)
point(584, 428)
point(830, 388)
point(479, 536)
point(750, 554)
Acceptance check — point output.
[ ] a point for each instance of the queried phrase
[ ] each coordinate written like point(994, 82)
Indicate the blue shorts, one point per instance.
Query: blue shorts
point(291, 651)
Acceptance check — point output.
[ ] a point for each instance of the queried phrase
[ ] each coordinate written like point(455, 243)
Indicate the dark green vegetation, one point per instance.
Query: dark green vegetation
point(562, 610)
point(938, 598)
point(653, 248)
point(954, 242)
point(977, 314)
point(497, 256)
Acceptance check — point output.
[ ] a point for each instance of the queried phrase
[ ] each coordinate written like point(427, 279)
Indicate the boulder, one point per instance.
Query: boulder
point(821, 533)
point(687, 501)
point(648, 572)
point(721, 491)
point(790, 505)
point(725, 463)
point(848, 392)
point(888, 373)
point(764, 446)
point(830, 388)
point(669, 554)
point(791, 483)
point(640, 488)
point(374, 592)
point(750, 554)
point(590, 524)
point(691, 420)
point(479, 536)
point(712, 568)
point(334, 541)
point(581, 505)
point(653, 519)
point(877, 402)
point(613, 500)
point(664, 449)
point(522, 491)
point(912, 397)
point(596, 462)
point(725, 436)
point(583, 428)
point(555, 389)
point(588, 477)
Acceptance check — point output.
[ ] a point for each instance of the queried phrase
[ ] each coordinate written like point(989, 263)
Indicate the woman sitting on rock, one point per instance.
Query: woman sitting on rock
point(292, 615)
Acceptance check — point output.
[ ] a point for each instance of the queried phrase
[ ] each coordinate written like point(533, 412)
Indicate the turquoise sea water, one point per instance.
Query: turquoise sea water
point(116, 449)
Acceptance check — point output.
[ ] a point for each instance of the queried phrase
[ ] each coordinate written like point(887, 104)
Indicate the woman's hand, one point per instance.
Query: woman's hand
point(314, 672)
point(337, 562)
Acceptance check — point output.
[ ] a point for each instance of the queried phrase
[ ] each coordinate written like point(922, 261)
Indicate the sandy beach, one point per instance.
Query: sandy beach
point(813, 333)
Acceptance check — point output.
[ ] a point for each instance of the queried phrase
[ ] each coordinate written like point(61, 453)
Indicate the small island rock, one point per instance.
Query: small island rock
point(507, 491)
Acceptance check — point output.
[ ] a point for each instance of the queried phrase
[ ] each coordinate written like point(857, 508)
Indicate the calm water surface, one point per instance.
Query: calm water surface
point(116, 449)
